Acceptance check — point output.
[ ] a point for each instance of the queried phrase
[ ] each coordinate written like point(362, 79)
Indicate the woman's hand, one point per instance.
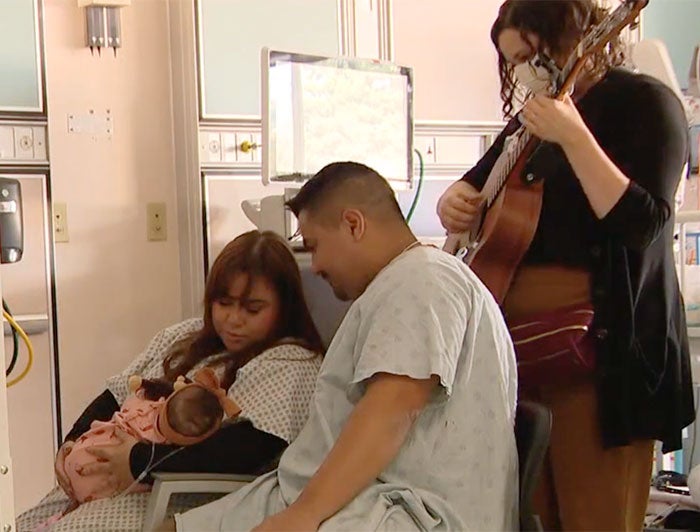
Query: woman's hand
point(293, 519)
point(459, 206)
point(59, 468)
point(113, 461)
point(554, 120)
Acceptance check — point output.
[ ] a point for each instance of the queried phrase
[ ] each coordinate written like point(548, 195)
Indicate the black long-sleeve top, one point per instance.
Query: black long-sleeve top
point(235, 448)
point(643, 371)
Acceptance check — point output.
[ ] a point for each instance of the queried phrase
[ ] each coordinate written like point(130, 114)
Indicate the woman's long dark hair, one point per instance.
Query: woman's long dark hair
point(560, 26)
point(259, 255)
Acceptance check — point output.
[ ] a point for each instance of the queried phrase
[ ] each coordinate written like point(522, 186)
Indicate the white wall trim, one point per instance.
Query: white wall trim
point(7, 503)
point(347, 28)
point(435, 130)
point(386, 34)
point(423, 127)
point(185, 114)
point(460, 128)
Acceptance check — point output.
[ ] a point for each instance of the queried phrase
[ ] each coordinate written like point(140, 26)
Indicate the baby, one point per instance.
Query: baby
point(158, 412)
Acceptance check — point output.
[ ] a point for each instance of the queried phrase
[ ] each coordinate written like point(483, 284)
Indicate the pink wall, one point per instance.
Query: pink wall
point(115, 289)
point(454, 63)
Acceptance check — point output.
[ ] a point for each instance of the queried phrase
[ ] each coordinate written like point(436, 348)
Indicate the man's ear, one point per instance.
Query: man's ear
point(354, 222)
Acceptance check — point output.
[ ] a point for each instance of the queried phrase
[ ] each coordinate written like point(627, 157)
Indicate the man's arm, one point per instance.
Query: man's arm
point(368, 443)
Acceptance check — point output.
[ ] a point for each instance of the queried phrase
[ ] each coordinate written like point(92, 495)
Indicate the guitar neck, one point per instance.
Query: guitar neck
point(512, 158)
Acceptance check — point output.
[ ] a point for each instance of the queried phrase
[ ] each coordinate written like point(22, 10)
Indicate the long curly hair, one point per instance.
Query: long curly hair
point(260, 255)
point(560, 26)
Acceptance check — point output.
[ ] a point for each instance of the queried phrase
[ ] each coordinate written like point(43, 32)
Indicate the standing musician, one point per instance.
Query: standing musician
point(610, 161)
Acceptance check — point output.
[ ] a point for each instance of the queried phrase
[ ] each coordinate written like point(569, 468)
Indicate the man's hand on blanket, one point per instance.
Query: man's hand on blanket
point(113, 461)
point(294, 519)
point(60, 470)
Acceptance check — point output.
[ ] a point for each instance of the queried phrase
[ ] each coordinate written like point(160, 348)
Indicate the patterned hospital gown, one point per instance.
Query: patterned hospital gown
point(424, 314)
point(273, 391)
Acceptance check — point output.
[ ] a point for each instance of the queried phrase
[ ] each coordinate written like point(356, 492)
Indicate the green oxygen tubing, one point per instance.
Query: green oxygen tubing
point(414, 203)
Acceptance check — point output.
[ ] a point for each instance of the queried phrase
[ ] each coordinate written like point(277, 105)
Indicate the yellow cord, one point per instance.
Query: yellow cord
point(30, 349)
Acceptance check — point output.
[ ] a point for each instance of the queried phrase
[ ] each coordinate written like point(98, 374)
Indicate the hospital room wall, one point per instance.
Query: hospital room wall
point(114, 288)
point(447, 43)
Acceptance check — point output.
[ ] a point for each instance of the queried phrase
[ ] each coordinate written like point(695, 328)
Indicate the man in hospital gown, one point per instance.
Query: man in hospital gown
point(411, 424)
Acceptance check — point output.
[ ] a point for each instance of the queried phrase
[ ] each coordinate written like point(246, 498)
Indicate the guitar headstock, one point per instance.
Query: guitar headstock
point(626, 14)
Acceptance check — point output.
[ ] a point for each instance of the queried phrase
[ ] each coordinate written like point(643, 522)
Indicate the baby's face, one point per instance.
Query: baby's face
point(193, 411)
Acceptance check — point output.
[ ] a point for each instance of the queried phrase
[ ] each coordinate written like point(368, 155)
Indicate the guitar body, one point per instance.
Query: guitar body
point(507, 232)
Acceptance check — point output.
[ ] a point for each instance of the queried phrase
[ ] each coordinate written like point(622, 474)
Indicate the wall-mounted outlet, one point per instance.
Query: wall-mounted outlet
point(157, 223)
point(60, 222)
point(426, 146)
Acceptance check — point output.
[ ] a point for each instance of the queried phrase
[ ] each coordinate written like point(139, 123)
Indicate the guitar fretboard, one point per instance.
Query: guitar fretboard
point(505, 163)
point(598, 36)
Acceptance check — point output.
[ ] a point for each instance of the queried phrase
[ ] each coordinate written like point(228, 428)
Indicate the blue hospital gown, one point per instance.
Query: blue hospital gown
point(424, 314)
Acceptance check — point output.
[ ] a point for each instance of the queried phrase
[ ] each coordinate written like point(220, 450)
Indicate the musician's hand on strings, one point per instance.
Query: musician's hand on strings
point(554, 120)
point(459, 206)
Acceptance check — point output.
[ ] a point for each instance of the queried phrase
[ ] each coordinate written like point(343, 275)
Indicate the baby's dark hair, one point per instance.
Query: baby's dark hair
point(193, 411)
point(154, 389)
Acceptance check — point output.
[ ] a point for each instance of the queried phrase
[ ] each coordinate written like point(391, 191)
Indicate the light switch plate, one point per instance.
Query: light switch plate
point(60, 222)
point(157, 222)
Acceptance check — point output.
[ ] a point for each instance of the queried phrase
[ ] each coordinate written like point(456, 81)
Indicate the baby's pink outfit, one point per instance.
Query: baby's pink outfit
point(137, 417)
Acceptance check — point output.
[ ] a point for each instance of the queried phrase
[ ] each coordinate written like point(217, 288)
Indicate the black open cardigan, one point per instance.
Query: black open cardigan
point(643, 369)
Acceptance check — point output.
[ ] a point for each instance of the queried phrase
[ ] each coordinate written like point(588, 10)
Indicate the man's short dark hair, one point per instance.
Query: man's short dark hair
point(347, 184)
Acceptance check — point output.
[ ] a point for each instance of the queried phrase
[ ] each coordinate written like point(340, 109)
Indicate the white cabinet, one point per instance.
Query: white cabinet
point(26, 289)
point(20, 57)
point(231, 34)
point(225, 219)
point(456, 97)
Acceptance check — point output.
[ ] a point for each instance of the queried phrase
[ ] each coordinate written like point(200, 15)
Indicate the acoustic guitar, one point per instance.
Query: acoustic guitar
point(507, 222)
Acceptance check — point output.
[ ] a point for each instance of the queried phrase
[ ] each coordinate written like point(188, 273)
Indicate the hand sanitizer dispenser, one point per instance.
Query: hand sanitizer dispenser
point(11, 233)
